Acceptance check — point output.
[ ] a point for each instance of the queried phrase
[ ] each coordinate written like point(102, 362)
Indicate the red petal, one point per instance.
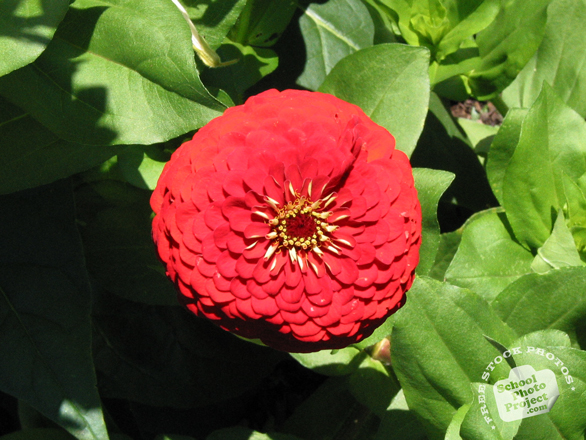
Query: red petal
point(367, 276)
point(238, 289)
point(352, 312)
point(298, 317)
point(226, 265)
point(349, 272)
point(244, 267)
point(275, 285)
point(234, 184)
point(256, 230)
point(310, 328)
point(213, 215)
point(265, 307)
point(221, 234)
point(210, 251)
point(218, 296)
point(332, 262)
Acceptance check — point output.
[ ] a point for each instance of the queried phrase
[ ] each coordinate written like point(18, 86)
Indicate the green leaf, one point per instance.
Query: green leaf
point(332, 31)
point(373, 386)
point(31, 155)
point(116, 73)
point(26, 27)
point(483, 416)
point(549, 350)
point(262, 22)
point(477, 132)
point(551, 143)
point(507, 45)
point(435, 368)
point(430, 184)
point(115, 224)
point(45, 343)
point(502, 149)
point(559, 250)
point(400, 424)
point(331, 362)
point(142, 166)
point(214, 20)
point(165, 357)
point(554, 300)
point(467, 18)
point(448, 246)
point(453, 431)
point(253, 64)
point(559, 61)
point(444, 25)
point(489, 258)
point(384, 80)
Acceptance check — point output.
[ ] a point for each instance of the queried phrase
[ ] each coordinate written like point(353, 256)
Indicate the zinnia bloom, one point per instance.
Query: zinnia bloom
point(291, 219)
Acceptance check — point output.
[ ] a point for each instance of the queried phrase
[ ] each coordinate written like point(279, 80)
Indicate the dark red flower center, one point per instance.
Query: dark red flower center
point(300, 225)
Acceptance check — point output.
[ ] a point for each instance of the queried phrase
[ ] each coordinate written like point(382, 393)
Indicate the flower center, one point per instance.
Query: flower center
point(298, 225)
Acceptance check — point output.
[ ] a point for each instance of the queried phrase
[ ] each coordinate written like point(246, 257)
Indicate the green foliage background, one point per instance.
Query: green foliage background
point(95, 95)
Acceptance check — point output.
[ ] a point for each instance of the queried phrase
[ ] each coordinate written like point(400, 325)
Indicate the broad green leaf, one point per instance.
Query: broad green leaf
point(116, 230)
point(26, 27)
point(253, 64)
point(213, 20)
point(142, 166)
point(554, 300)
point(488, 258)
point(373, 386)
point(400, 424)
point(443, 146)
point(438, 348)
point(331, 362)
point(507, 45)
point(262, 22)
point(559, 61)
point(552, 142)
point(448, 246)
point(384, 80)
point(31, 155)
point(241, 433)
point(385, 30)
point(332, 31)
point(502, 149)
point(482, 420)
point(559, 250)
point(430, 184)
point(45, 343)
point(453, 431)
point(164, 357)
point(477, 131)
point(549, 350)
point(116, 72)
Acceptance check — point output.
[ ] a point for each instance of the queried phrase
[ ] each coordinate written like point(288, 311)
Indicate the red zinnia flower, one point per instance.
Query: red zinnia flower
point(291, 219)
